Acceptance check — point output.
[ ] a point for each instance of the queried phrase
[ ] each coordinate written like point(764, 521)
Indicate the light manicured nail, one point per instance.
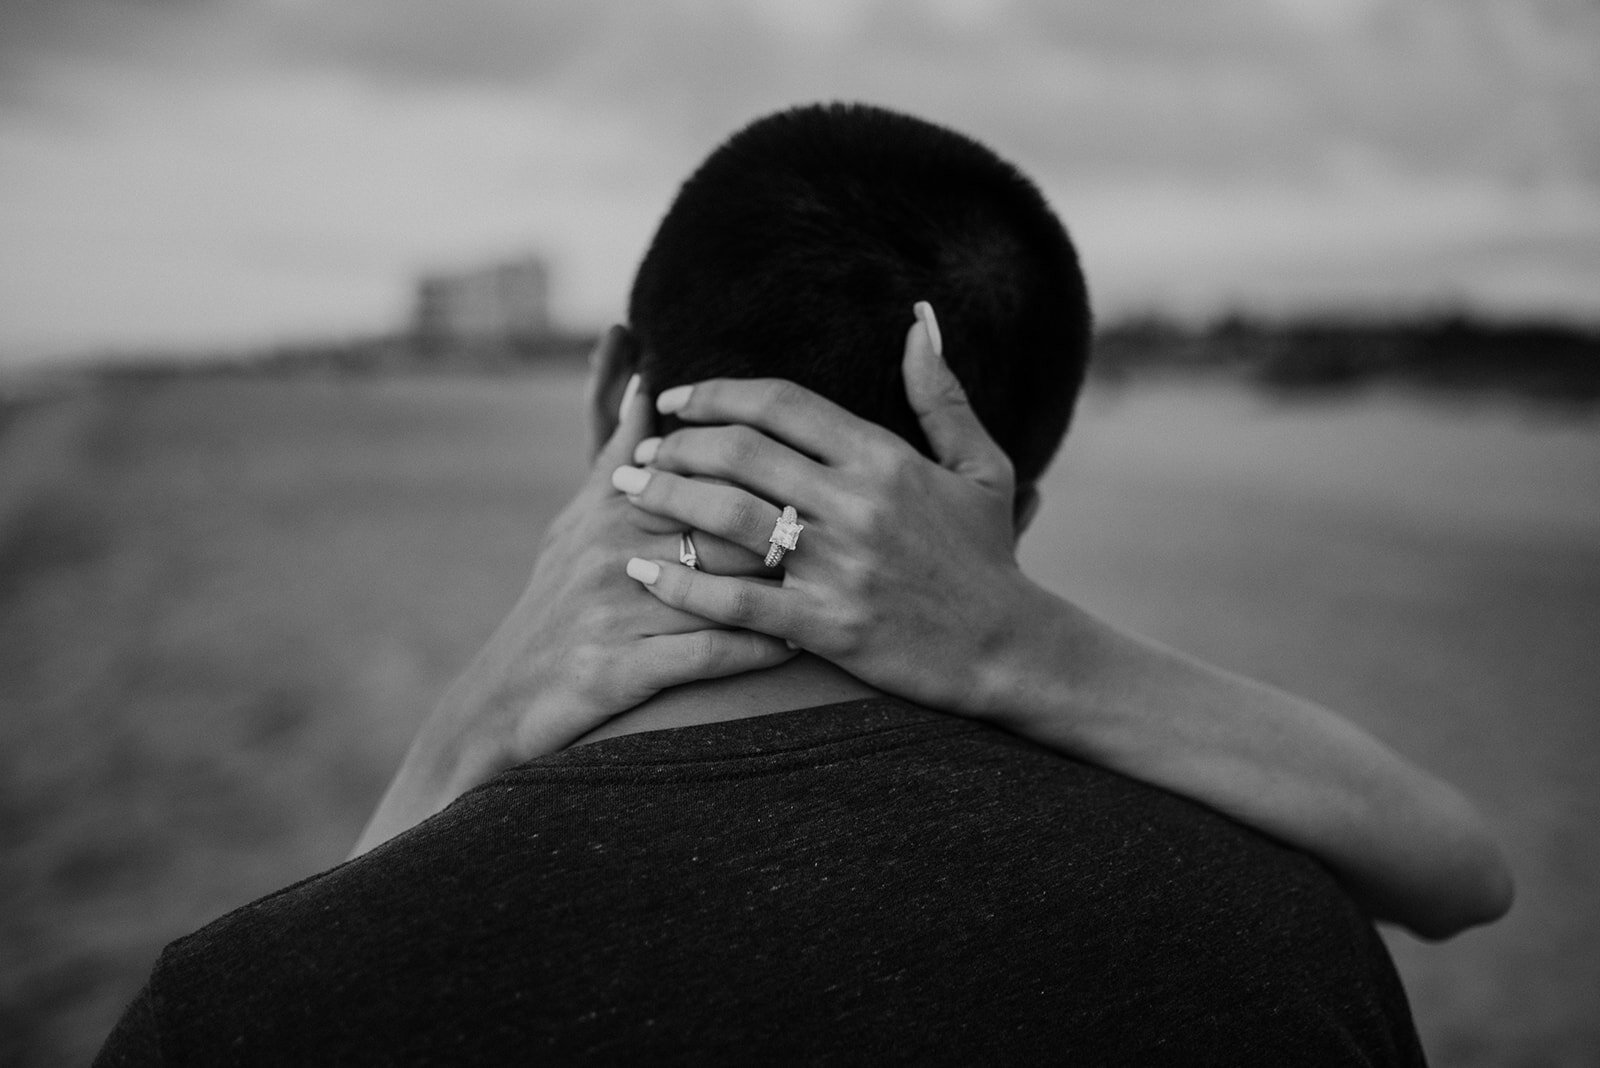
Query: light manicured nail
point(628, 393)
point(672, 400)
point(630, 480)
point(930, 323)
point(646, 450)
point(644, 571)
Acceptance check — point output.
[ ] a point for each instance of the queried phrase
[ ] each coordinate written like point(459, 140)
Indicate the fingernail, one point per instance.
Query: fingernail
point(628, 394)
point(644, 571)
point(630, 480)
point(672, 400)
point(646, 450)
point(790, 644)
point(930, 323)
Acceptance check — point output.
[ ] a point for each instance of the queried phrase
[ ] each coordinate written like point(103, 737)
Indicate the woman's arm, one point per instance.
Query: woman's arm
point(906, 576)
point(1407, 846)
point(582, 644)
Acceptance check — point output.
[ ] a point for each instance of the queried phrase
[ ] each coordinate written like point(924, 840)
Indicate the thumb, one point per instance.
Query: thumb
point(959, 441)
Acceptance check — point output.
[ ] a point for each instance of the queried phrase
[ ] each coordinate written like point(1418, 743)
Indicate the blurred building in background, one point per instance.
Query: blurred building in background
point(505, 302)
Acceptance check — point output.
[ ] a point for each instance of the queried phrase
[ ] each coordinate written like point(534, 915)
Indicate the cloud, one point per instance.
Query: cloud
point(1217, 89)
point(304, 158)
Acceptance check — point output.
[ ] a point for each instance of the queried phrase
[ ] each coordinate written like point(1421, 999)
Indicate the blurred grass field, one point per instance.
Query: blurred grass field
point(225, 604)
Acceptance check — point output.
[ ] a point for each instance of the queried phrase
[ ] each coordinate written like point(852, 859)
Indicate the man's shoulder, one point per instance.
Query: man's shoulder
point(918, 875)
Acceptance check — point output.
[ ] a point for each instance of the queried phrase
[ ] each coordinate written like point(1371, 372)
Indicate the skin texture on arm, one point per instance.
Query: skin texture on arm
point(1407, 846)
point(906, 577)
point(582, 644)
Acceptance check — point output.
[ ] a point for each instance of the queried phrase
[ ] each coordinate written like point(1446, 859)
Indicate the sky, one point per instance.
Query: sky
point(186, 175)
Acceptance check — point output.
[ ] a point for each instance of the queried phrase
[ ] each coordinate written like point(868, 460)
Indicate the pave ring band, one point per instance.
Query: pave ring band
point(686, 552)
point(785, 535)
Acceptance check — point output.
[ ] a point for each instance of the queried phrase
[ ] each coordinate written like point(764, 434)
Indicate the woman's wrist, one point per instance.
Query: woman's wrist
point(430, 777)
point(466, 740)
point(1025, 665)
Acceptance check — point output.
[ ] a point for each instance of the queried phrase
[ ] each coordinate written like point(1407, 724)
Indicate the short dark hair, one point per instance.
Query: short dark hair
point(798, 247)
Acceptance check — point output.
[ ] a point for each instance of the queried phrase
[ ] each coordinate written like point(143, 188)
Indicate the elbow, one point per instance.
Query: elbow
point(1496, 890)
point(1484, 892)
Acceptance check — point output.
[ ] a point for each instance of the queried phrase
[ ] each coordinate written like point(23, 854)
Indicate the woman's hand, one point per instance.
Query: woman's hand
point(905, 573)
point(906, 576)
point(582, 644)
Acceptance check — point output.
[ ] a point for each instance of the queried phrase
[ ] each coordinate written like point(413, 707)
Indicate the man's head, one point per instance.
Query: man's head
point(798, 247)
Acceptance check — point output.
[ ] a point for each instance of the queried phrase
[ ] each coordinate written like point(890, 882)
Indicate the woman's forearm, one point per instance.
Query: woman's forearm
point(1408, 847)
point(447, 758)
point(909, 582)
point(419, 789)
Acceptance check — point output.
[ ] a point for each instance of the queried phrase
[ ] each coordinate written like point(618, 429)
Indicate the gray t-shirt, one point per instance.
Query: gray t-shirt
point(854, 883)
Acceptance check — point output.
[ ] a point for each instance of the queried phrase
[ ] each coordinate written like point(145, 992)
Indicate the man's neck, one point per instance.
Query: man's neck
point(804, 682)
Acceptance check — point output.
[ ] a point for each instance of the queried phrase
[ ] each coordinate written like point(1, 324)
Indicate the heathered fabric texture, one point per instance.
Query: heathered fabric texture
point(855, 883)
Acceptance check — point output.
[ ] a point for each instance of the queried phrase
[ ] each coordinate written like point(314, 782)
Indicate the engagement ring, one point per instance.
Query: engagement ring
point(785, 535)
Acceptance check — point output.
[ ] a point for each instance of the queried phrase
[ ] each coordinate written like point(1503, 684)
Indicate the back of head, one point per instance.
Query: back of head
point(798, 247)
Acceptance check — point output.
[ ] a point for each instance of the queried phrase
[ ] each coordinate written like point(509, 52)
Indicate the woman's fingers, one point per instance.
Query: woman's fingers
point(726, 511)
point(713, 554)
point(718, 556)
point(741, 455)
point(748, 604)
point(674, 659)
point(650, 523)
point(936, 395)
point(793, 414)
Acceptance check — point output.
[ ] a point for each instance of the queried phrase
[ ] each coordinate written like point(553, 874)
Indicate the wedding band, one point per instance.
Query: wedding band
point(785, 535)
point(686, 554)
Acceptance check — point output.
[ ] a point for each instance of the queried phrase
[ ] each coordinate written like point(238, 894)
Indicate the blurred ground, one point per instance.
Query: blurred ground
point(223, 606)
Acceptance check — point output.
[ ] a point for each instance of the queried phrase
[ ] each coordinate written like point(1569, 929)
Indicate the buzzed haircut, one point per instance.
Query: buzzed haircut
point(798, 247)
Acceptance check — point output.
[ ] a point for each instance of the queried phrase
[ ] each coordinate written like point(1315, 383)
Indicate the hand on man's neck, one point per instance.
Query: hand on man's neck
point(804, 682)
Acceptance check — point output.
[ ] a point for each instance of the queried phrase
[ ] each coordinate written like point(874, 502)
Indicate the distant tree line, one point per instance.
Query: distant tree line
point(1450, 352)
point(1454, 352)
point(363, 356)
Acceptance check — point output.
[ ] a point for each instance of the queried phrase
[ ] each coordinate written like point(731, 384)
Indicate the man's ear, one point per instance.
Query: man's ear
point(1024, 507)
point(614, 360)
